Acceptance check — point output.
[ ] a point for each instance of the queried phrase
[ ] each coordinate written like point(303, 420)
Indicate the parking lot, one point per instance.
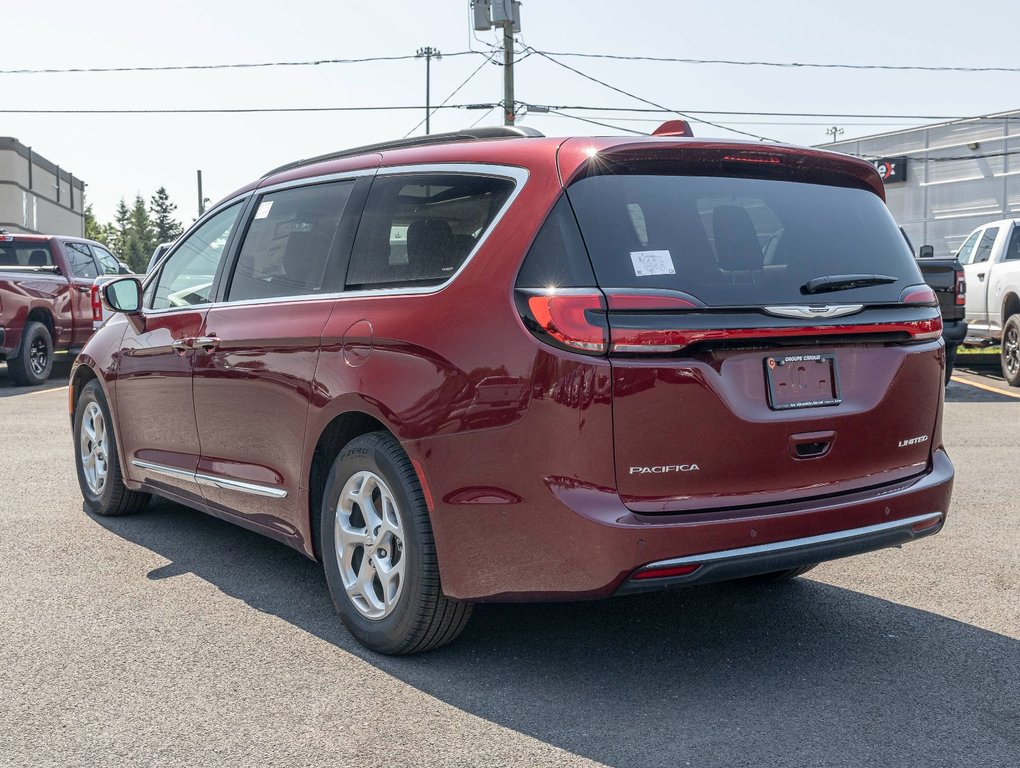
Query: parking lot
point(175, 638)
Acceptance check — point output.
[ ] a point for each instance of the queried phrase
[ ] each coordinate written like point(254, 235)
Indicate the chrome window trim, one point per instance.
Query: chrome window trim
point(790, 544)
point(215, 481)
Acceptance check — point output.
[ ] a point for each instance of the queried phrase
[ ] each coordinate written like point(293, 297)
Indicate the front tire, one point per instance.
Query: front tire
point(1011, 351)
point(379, 554)
point(95, 452)
point(34, 361)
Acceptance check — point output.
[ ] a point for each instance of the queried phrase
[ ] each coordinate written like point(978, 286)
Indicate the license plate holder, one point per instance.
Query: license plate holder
point(802, 381)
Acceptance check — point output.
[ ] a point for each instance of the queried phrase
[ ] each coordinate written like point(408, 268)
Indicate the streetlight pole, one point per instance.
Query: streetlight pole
point(428, 52)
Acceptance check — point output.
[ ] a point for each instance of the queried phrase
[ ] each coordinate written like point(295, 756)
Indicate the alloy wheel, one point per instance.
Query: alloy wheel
point(1011, 350)
point(370, 545)
point(37, 356)
point(95, 458)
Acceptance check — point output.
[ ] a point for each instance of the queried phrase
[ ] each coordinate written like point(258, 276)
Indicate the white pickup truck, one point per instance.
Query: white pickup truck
point(991, 261)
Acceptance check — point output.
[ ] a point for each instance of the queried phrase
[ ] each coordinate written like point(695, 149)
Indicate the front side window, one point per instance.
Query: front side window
point(81, 260)
point(289, 243)
point(107, 262)
point(983, 252)
point(187, 276)
point(417, 229)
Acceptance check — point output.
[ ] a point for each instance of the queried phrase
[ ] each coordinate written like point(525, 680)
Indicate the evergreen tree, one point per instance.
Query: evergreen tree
point(140, 236)
point(93, 229)
point(118, 231)
point(166, 227)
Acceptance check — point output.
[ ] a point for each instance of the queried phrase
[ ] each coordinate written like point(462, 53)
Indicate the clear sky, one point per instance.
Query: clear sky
point(121, 155)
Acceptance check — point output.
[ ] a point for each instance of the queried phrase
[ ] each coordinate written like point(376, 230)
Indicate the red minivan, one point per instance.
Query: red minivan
point(493, 366)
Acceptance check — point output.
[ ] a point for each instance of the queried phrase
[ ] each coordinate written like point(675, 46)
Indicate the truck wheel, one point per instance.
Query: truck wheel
point(950, 360)
point(1011, 351)
point(379, 554)
point(95, 453)
point(34, 361)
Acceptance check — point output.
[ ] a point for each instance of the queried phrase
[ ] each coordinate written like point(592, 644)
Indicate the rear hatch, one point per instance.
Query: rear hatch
point(770, 336)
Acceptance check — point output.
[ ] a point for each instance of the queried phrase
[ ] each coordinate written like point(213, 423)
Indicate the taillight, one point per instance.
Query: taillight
point(665, 571)
point(919, 294)
point(97, 305)
point(961, 288)
point(922, 330)
point(573, 319)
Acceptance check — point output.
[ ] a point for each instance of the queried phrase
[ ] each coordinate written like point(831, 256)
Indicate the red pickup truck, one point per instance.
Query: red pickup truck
point(47, 302)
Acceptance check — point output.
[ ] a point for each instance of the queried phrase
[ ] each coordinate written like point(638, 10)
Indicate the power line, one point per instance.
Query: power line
point(243, 65)
point(664, 110)
point(596, 122)
point(452, 94)
point(647, 101)
point(230, 111)
point(781, 64)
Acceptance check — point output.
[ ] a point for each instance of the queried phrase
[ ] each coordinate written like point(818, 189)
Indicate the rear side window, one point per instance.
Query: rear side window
point(966, 251)
point(82, 263)
point(289, 243)
point(738, 241)
point(557, 258)
point(417, 229)
point(25, 255)
point(1013, 249)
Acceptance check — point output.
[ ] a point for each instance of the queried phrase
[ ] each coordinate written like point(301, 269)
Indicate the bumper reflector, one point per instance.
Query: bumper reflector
point(667, 571)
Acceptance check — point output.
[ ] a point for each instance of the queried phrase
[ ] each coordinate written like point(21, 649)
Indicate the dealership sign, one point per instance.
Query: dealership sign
point(891, 169)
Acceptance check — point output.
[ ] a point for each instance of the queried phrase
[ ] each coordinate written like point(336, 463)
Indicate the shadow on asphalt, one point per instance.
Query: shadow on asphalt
point(61, 373)
point(796, 674)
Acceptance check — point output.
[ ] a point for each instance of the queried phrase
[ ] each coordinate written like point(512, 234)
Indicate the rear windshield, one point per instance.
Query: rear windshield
point(739, 241)
point(25, 255)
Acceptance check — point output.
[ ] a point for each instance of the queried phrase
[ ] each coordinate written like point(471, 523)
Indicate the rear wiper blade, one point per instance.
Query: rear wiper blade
point(828, 283)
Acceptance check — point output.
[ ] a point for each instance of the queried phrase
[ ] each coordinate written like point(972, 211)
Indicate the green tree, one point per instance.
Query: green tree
point(139, 235)
point(161, 210)
point(93, 229)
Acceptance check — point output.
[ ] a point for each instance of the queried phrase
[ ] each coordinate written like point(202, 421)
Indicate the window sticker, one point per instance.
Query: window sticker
point(652, 263)
point(264, 209)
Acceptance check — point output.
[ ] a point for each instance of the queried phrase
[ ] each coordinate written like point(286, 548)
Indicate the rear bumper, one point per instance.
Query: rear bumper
point(582, 542)
point(782, 555)
point(954, 331)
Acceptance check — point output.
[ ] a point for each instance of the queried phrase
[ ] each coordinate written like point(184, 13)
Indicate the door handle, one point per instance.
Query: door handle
point(981, 275)
point(83, 288)
point(182, 345)
point(206, 343)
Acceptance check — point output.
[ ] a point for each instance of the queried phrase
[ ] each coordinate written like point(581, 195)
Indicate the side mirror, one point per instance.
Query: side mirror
point(926, 252)
point(124, 268)
point(123, 295)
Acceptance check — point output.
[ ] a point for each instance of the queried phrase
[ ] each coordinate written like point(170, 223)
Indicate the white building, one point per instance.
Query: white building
point(36, 196)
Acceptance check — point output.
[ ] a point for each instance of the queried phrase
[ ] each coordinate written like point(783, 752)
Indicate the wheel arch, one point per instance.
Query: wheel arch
point(1010, 306)
point(338, 432)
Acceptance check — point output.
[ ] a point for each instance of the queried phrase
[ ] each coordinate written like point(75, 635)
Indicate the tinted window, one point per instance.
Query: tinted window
point(983, 252)
point(25, 255)
point(966, 251)
point(418, 229)
point(80, 257)
point(557, 258)
point(1013, 249)
point(289, 242)
point(738, 241)
point(107, 262)
point(187, 276)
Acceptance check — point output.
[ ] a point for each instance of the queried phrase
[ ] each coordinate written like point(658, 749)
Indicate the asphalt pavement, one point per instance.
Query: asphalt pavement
point(171, 638)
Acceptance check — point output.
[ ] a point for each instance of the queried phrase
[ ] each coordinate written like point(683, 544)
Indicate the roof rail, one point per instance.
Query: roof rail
point(470, 134)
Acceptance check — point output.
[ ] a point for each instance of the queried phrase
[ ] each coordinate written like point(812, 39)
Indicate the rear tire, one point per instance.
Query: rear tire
point(95, 453)
point(34, 361)
point(1011, 351)
point(789, 573)
point(379, 554)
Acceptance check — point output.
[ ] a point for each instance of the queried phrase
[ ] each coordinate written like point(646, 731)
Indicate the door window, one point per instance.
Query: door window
point(107, 262)
point(417, 229)
point(82, 263)
point(289, 243)
point(984, 250)
point(966, 252)
point(187, 276)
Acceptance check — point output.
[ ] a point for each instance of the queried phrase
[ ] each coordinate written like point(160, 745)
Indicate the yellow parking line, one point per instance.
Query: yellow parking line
point(986, 387)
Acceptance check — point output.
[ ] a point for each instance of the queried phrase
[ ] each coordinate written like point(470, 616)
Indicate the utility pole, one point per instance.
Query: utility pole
point(428, 52)
point(508, 74)
point(835, 132)
point(201, 200)
point(505, 14)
